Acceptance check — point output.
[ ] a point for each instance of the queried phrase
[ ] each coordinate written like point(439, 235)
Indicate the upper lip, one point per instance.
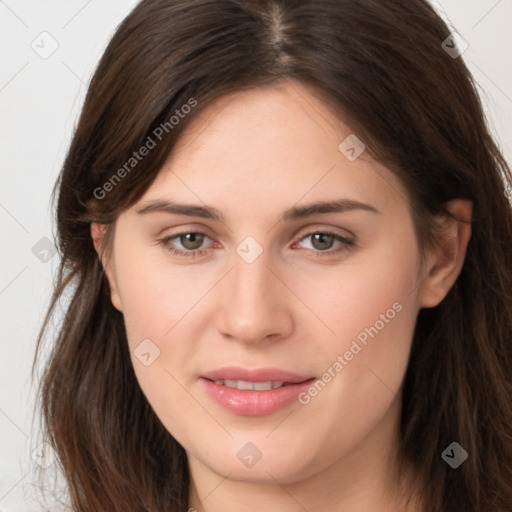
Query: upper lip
point(255, 375)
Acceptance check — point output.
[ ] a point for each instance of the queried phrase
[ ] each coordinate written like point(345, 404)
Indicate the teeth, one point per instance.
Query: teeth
point(252, 386)
point(263, 386)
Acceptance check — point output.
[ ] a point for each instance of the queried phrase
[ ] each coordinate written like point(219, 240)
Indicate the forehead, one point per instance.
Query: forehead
point(280, 116)
point(274, 146)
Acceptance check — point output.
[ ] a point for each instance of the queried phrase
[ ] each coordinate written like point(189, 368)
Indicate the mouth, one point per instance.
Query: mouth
point(256, 392)
point(245, 385)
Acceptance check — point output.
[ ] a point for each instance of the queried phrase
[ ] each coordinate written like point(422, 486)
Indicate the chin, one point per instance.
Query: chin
point(256, 459)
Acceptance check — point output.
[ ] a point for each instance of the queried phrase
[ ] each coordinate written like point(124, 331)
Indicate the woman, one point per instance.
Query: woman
point(288, 242)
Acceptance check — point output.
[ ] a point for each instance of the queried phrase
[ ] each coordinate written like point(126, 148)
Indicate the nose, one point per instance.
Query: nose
point(255, 304)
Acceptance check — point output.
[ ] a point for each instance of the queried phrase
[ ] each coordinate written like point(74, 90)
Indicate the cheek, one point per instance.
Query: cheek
point(155, 295)
point(360, 383)
point(362, 294)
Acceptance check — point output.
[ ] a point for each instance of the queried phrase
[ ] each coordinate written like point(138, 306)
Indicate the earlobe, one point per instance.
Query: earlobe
point(446, 264)
point(98, 232)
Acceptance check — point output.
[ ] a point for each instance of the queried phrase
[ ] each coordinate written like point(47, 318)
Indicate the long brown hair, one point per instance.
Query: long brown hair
point(416, 108)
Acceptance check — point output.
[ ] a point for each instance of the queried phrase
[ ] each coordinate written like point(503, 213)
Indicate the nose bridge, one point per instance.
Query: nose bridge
point(250, 280)
point(253, 307)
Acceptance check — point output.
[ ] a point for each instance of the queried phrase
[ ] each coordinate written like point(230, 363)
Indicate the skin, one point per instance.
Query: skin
point(253, 155)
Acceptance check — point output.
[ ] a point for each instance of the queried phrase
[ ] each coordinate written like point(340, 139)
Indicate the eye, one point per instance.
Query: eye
point(322, 242)
point(191, 241)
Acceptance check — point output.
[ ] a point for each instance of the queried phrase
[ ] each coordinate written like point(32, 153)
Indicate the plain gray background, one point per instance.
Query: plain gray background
point(40, 97)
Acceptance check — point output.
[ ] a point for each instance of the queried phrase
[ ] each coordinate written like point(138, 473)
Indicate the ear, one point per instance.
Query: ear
point(98, 237)
point(445, 264)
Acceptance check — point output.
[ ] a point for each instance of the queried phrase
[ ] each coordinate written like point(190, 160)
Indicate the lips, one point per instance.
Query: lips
point(254, 392)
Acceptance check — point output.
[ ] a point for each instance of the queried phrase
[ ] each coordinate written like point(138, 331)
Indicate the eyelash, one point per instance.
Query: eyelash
point(165, 242)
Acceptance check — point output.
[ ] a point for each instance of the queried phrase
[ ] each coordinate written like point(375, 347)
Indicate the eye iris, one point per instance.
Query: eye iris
point(192, 241)
point(324, 240)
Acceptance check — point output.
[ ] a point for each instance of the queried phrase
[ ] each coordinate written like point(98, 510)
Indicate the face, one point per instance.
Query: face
point(255, 288)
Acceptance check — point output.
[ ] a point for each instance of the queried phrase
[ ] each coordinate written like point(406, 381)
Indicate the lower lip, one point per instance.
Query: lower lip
point(254, 403)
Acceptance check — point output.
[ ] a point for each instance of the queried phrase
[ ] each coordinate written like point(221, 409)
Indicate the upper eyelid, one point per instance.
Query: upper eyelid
point(204, 230)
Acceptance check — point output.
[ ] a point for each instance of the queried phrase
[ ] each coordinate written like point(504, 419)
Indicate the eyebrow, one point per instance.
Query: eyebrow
point(294, 213)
